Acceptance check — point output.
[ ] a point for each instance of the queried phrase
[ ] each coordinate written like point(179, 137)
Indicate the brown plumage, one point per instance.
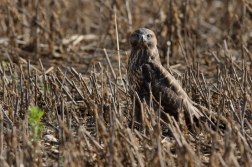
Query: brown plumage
point(146, 74)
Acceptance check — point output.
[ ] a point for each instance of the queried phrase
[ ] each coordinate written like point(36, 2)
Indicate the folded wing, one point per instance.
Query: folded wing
point(158, 79)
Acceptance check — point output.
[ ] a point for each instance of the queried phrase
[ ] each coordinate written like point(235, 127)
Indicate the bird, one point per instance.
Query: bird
point(146, 75)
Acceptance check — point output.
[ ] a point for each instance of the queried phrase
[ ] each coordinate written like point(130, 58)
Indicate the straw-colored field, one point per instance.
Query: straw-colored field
point(69, 59)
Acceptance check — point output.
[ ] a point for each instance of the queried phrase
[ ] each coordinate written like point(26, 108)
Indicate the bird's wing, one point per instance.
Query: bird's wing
point(154, 73)
point(159, 79)
point(155, 82)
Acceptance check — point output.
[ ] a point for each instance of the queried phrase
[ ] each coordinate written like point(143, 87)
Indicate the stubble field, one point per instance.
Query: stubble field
point(69, 59)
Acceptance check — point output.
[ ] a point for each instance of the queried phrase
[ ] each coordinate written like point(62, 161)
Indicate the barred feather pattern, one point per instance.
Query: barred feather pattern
point(138, 57)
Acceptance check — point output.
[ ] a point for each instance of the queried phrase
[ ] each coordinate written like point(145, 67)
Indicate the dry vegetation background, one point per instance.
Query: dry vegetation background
point(55, 54)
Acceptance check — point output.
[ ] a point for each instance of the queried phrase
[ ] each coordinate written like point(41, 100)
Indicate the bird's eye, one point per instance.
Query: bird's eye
point(149, 36)
point(136, 35)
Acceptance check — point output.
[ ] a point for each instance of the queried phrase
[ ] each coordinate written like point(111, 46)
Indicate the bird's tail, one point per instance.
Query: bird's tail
point(192, 110)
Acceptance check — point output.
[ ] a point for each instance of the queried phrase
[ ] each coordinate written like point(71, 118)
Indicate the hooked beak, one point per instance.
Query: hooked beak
point(143, 38)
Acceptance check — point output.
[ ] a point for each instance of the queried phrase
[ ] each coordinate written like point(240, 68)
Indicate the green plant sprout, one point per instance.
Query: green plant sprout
point(4, 64)
point(45, 86)
point(35, 121)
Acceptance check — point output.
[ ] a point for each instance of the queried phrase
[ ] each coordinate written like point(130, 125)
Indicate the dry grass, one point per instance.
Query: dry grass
point(62, 56)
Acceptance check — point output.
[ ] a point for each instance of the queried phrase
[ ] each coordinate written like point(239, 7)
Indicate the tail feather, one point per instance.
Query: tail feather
point(192, 110)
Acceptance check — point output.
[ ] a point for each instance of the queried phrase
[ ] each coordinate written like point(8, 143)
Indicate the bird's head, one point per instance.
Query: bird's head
point(143, 38)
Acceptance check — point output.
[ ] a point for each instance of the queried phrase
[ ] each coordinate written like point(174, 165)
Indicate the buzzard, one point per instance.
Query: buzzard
point(146, 74)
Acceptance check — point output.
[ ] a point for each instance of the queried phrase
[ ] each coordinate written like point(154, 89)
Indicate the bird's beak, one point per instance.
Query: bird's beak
point(143, 38)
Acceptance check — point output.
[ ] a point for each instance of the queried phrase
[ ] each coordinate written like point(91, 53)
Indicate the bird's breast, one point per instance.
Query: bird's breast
point(138, 58)
point(135, 79)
